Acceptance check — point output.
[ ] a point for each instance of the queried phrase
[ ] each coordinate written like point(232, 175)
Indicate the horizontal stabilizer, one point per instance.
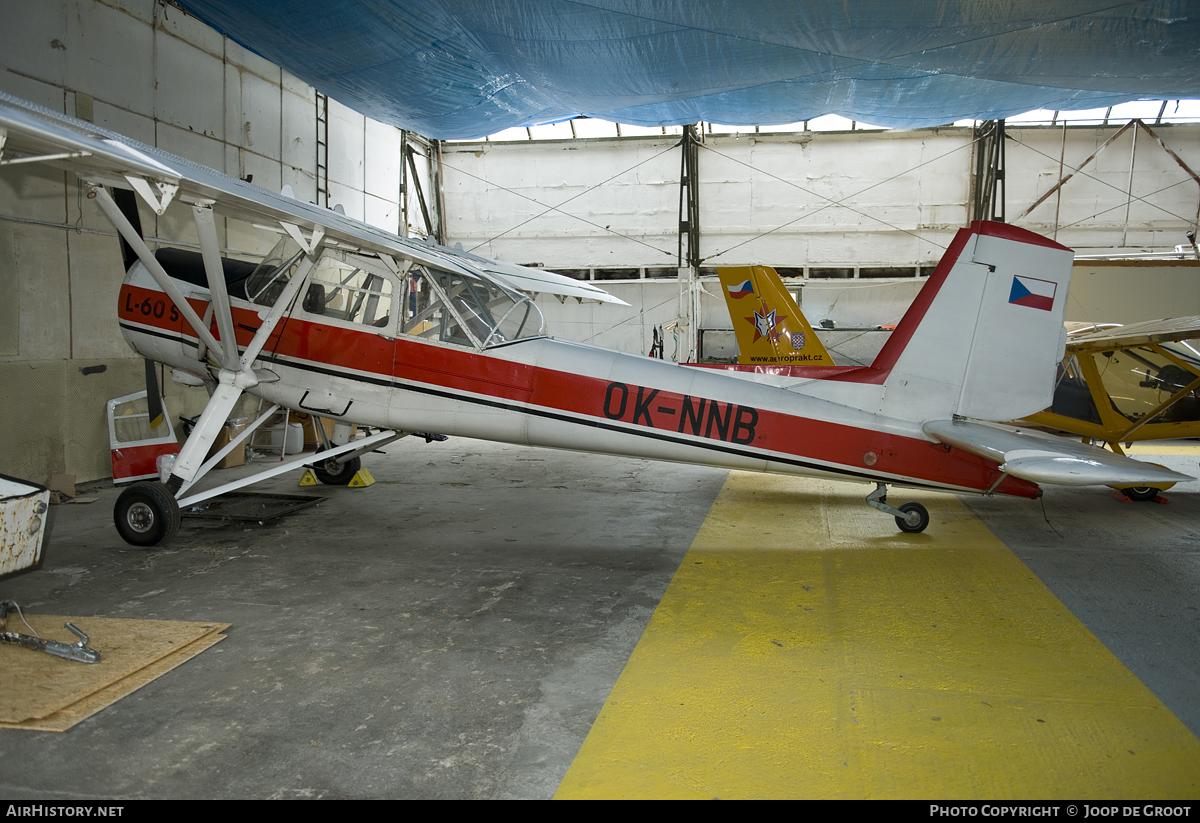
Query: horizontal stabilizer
point(1043, 458)
point(1061, 470)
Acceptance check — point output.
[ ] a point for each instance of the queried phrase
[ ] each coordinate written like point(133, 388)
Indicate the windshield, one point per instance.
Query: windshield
point(466, 309)
point(267, 281)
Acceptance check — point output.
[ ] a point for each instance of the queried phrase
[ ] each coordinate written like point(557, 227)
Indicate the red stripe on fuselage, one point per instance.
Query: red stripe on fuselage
point(680, 417)
point(848, 447)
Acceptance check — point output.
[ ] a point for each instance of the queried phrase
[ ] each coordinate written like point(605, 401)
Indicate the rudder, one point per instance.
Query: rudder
point(770, 327)
point(985, 335)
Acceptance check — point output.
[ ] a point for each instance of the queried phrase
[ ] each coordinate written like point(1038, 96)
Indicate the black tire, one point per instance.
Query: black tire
point(1141, 494)
point(921, 524)
point(146, 514)
point(332, 473)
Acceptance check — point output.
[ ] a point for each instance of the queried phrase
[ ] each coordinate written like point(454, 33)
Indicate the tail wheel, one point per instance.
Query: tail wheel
point(146, 514)
point(332, 473)
point(919, 521)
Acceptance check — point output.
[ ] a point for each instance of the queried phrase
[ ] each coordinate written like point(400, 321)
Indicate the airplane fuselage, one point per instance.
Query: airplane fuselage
point(559, 394)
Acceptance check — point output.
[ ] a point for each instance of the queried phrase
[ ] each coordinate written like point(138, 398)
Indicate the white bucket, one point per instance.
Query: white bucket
point(295, 438)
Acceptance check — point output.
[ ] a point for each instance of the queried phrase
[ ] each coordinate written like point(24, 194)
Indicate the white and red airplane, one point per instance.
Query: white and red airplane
point(332, 322)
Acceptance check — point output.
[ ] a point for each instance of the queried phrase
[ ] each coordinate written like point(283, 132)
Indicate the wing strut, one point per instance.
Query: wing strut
point(273, 316)
point(113, 212)
point(210, 250)
point(1160, 408)
point(236, 374)
point(158, 202)
point(309, 245)
point(232, 383)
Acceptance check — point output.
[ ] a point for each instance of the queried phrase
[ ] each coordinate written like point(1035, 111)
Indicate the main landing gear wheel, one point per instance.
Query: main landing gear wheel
point(146, 514)
point(921, 518)
point(332, 473)
point(1140, 494)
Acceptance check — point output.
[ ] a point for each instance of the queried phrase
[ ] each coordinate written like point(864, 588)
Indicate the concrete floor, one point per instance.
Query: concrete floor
point(453, 631)
point(1129, 571)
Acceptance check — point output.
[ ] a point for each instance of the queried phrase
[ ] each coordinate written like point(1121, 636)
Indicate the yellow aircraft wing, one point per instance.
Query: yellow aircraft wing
point(1129, 383)
point(1134, 334)
point(769, 326)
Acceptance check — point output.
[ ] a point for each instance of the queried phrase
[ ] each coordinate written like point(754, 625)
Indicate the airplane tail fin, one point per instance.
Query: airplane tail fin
point(985, 335)
point(769, 326)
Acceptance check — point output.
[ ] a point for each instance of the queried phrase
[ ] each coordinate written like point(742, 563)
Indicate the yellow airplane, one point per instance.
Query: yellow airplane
point(769, 326)
point(1125, 384)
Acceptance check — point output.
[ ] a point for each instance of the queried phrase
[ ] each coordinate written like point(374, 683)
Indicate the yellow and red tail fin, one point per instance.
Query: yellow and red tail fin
point(769, 326)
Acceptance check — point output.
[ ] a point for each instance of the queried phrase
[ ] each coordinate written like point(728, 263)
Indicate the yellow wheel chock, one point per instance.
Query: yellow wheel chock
point(362, 478)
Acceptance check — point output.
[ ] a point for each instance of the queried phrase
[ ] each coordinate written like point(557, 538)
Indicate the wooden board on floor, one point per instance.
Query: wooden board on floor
point(45, 692)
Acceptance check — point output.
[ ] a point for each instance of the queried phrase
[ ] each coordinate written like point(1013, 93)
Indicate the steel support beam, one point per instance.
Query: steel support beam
point(689, 201)
point(414, 182)
point(688, 257)
point(988, 184)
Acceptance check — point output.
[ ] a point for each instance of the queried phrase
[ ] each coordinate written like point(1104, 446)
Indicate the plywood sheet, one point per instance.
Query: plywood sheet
point(42, 688)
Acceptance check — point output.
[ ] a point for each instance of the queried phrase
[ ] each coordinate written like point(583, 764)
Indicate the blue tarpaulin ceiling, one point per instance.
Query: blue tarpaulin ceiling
point(465, 68)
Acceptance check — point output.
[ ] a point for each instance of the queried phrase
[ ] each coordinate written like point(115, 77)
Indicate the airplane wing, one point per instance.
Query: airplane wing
point(1134, 334)
point(31, 133)
point(537, 281)
point(1043, 458)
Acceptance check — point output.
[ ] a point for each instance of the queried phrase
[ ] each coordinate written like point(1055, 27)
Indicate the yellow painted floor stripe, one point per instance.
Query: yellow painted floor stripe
point(807, 649)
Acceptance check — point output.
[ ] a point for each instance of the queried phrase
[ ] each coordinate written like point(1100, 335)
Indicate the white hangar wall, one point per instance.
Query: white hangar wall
point(843, 211)
point(160, 76)
point(813, 199)
point(617, 200)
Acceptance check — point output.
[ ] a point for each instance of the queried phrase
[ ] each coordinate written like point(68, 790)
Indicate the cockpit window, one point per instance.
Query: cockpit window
point(345, 292)
point(467, 310)
point(454, 307)
point(272, 274)
point(1072, 398)
point(1139, 379)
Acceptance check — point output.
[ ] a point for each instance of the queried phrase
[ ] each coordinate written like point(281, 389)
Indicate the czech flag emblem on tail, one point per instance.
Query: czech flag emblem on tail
point(1031, 292)
point(741, 290)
